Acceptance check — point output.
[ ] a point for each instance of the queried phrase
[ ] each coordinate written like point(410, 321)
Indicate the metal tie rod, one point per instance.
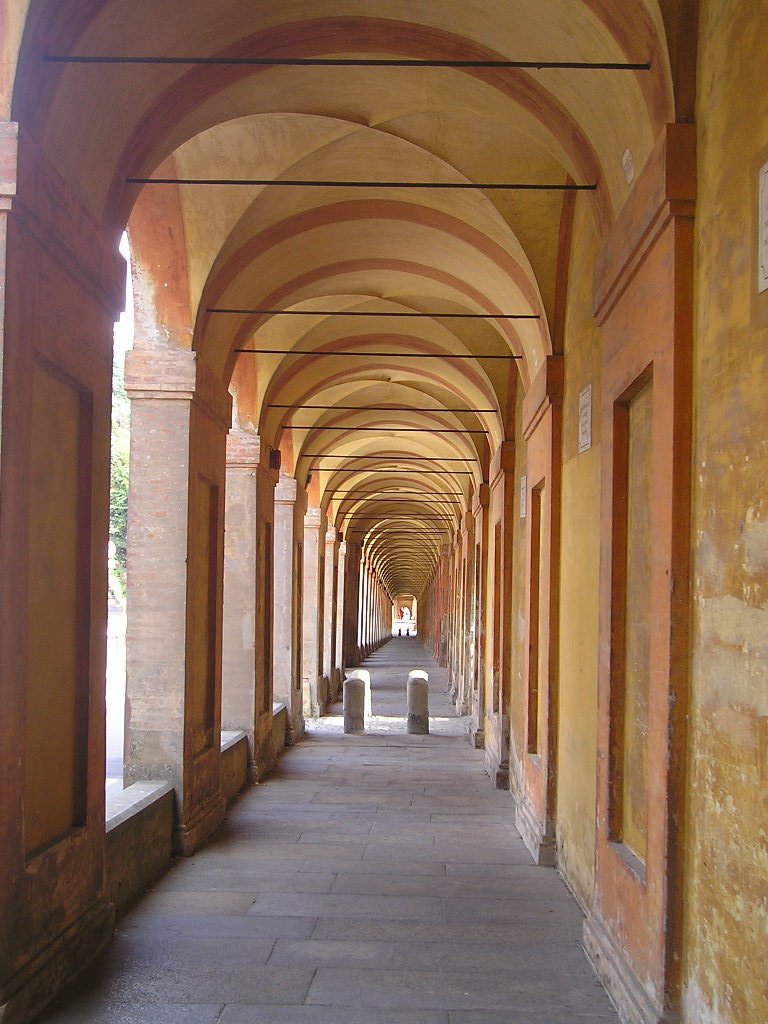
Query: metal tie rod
point(351, 62)
point(370, 355)
point(375, 408)
point(236, 311)
point(390, 430)
point(375, 469)
point(487, 186)
point(388, 458)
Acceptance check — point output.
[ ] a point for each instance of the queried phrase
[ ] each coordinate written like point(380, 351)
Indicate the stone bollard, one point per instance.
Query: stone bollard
point(354, 705)
point(418, 702)
point(365, 675)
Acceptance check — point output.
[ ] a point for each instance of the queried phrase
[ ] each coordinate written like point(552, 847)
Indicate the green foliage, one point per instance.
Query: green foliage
point(118, 487)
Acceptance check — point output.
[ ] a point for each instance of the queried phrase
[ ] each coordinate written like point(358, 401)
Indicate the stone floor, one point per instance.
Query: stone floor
point(372, 879)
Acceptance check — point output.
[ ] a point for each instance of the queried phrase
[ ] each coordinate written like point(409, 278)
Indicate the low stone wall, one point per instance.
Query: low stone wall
point(139, 832)
point(279, 728)
point(234, 763)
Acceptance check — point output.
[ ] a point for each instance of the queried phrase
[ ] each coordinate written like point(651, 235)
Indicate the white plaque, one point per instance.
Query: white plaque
point(585, 419)
point(523, 496)
point(762, 268)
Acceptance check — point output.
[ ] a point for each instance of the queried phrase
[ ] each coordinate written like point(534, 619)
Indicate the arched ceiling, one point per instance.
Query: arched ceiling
point(391, 420)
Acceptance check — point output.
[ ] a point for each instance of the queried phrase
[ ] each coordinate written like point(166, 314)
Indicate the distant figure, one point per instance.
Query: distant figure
point(399, 632)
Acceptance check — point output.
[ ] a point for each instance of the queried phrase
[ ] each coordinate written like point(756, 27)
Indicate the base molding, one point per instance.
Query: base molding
point(629, 997)
point(190, 835)
point(540, 845)
point(26, 993)
point(476, 736)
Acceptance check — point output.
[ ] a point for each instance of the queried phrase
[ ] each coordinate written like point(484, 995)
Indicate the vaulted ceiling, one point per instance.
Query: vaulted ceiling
point(396, 428)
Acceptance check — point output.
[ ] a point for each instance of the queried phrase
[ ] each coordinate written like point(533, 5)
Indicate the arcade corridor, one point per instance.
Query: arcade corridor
point(372, 879)
point(447, 318)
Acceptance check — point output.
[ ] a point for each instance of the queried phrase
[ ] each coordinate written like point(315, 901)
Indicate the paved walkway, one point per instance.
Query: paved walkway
point(371, 880)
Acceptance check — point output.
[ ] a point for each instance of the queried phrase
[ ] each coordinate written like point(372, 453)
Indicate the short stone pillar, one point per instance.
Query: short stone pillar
point(365, 675)
point(354, 705)
point(418, 702)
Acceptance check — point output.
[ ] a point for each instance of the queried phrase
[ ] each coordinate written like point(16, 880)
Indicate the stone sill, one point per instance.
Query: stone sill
point(231, 738)
point(127, 803)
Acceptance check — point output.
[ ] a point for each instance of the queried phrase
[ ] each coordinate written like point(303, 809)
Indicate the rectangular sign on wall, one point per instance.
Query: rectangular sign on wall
point(585, 419)
point(762, 271)
point(523, 496)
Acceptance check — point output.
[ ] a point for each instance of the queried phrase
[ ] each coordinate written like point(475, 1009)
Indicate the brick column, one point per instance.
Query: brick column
point(329, 610)
point(286, 654)
point(338, 663)
point(245, 704)
point(311, 614)
point(179, 418)
point(352, 585)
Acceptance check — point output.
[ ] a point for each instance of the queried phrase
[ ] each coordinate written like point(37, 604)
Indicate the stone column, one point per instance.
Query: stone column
point(329, 609)
point(179, 420)
point(244, 702)
point(338, 664)
point(287, 620)
point(352, 584)
point(311, 614)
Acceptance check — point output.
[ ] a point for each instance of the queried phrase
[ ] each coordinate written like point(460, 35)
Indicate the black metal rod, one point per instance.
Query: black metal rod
point(387, 458)
point(375, 469)
point(487, 186)
point(431, 495)
point(374, 408)
point(404, 501)
point(369, 355)
point(390, 430)
point(387, 518)
point(345, 312)
point(352, 62)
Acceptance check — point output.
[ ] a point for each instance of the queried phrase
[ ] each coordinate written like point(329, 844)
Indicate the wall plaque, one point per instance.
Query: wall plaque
point(762, 268)
point(523, 496)
point(585, 419)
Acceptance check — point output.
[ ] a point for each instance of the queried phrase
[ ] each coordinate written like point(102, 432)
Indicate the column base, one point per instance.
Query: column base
point(539, 843)
point(632, 1001)
point(26, 993)
point(190, 835)
point(476, 736)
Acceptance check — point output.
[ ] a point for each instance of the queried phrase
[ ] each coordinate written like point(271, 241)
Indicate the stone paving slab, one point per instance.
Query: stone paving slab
point(372, 879)
point(329, 1015)
point(392, 989)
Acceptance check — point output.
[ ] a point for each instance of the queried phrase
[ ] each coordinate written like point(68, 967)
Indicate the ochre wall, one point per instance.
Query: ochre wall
point(727, 913)
point(579, 579)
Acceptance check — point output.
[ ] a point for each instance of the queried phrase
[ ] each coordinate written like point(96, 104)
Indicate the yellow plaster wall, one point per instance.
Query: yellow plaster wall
point(726, 902)
point(580, 547)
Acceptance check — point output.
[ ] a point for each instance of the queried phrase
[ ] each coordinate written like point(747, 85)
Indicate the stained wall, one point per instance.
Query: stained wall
point(727, 908)
point(579, 579)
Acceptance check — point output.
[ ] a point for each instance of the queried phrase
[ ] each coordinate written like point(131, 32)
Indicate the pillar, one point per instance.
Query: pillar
point(643, 303)
point(352, 586)
point(311, 616)
point(536, 795)
point(288, 584)
point(61, 289)
point(247, 640)
point(329, 612)
point(498, 614)
point(179, 420)
point(341, 569)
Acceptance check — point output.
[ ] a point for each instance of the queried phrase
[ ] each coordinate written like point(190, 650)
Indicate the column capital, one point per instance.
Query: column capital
point(243, 449)
point(286, 489)
point(177, 375)
point(312, 519)
point(343, 549)
point(158, 374)
point(331, 535)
